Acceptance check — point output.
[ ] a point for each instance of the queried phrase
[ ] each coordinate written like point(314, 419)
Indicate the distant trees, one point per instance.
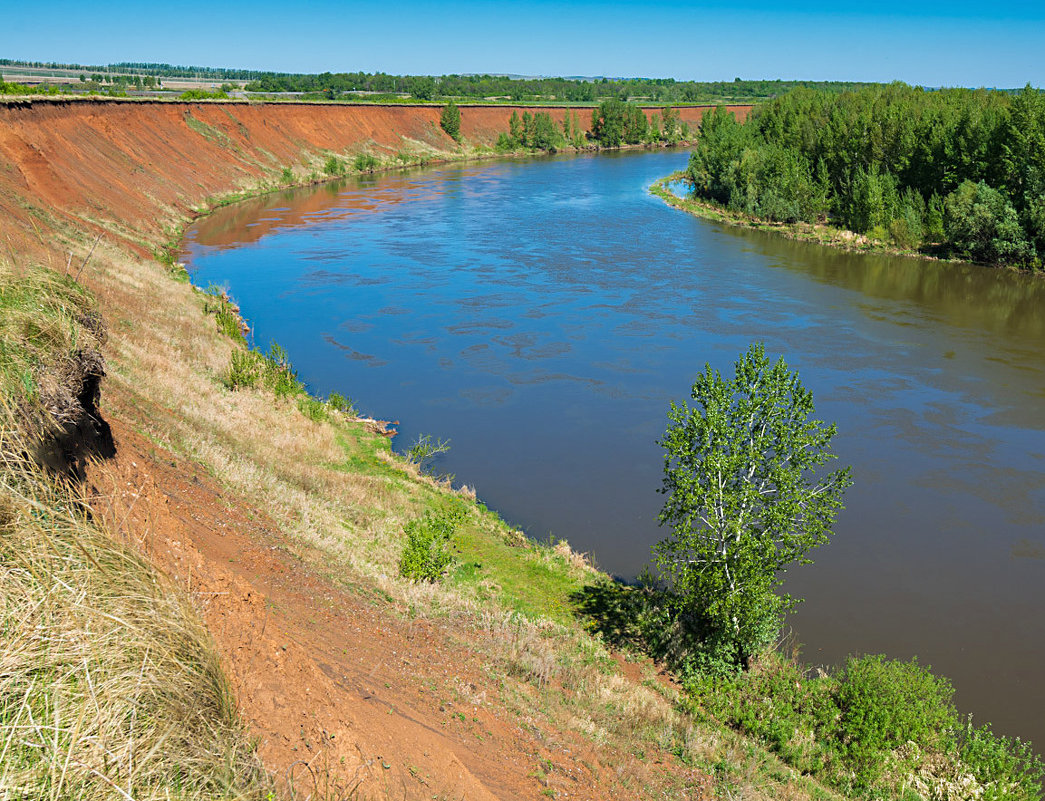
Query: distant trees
point(423, 88)
point(534, 131)
point(450, 121)
point(955, 170)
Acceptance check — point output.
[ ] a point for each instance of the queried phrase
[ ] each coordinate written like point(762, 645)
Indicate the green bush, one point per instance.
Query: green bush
point(365, 163)
point(287, 176)
point(887, 703)
point(340, 403)
point(244, 370)
point(334, 166)
point(202, 94)
point(426, 554)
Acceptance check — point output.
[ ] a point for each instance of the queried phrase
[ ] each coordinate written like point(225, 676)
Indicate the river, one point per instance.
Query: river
point(541, 314)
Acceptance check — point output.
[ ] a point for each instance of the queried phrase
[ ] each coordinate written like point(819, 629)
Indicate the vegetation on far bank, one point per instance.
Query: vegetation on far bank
point(954, 173)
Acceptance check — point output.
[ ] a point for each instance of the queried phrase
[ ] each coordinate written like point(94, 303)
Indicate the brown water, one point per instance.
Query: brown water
point(542, 314)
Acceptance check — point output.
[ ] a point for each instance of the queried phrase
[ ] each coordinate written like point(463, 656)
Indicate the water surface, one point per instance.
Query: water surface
point(542, 314)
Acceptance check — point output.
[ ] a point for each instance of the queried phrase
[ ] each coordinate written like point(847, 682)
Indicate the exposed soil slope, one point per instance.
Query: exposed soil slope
point(130, 166)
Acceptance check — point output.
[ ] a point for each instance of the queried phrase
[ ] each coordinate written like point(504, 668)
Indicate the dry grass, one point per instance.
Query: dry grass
point(109, 684)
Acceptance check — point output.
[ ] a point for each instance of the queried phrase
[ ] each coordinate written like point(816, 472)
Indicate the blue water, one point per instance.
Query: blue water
point(542, 314)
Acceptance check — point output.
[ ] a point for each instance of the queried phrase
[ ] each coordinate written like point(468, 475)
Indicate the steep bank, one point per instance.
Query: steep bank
point(284, 521)
point(131, 168)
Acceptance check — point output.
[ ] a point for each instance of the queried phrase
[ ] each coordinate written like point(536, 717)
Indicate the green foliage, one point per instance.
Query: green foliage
point(615, 122)
point(287, 176)
point(423, 88)
point(880, 160)
point(203, 94)
point(884, 704)
point(1006, 767)
point(424, 450)
point(426, 554)
point(243, 371)
point(250, 368)
point(334, 166)
point(226, 313)
point(313, 408)
point(534, 131)
point(365, 162)
point(340, 403)
point(983, 226)
point(746, 498)
point(450, 121)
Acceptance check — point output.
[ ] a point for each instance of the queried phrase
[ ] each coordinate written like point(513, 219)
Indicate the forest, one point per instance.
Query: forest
point(951, 172)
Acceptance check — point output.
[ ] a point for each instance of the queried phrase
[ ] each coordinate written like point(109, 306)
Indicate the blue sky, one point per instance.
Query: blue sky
point(930, 43)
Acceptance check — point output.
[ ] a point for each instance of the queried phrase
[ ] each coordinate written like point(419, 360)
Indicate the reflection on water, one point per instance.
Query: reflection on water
point(541, 315)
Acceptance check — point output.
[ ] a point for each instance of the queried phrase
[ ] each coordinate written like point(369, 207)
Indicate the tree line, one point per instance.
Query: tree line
point(573, 90)
point(613, 123)
point(953, 172)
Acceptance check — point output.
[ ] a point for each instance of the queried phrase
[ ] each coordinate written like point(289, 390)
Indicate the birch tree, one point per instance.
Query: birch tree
point(747, 496)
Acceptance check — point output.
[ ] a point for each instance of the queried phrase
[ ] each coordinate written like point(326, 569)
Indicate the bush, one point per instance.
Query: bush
point(365, 163)
point(334, 166)
point(887, 703)
point(427, 551)
point(1008, 769)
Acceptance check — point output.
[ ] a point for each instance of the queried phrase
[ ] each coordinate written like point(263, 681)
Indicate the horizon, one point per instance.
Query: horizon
point(935, 44)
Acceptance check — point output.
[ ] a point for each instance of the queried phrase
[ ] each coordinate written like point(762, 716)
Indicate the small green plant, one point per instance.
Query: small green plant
point(243, 371)
point(314, 409)
point(334, 166)
point(203, 94)
point(287, 176)
point(340, 403)
point(226, 313)
point(365, 162)
point(426, 554)
point(887, 703)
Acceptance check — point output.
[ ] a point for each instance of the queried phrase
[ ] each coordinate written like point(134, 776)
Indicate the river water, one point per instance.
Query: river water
point(541, 315)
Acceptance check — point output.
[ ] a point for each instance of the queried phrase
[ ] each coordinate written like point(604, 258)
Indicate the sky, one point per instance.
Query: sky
point(933, 43)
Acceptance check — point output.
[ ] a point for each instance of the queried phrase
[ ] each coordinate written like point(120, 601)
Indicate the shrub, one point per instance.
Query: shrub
point(340, 403)
point(243, 371)
point(202, 94)
point(334, 166)
point(887, 703)
point(287, 176)
point(365, 163)
point(314, 409)
point(426, 553)
point(1008, 769)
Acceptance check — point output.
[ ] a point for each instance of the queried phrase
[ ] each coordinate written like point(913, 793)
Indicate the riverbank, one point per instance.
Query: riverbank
point(814, 233)
point(280, 519)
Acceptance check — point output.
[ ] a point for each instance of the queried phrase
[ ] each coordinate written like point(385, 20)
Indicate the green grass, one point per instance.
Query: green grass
point(47, 323)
